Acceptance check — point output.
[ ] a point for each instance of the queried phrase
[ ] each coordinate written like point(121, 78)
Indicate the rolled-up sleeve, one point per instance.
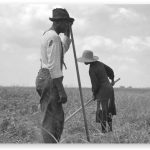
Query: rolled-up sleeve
point(109, 71)
point(65, 42)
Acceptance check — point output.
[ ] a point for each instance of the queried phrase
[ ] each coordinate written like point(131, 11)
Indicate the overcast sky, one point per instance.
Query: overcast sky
point(118, 34)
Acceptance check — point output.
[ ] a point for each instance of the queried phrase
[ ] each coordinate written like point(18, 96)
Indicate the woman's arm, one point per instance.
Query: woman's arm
point(110, 73)
point(94, 82)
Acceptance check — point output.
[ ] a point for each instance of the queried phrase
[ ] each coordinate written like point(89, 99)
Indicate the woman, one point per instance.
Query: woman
point(102, 88)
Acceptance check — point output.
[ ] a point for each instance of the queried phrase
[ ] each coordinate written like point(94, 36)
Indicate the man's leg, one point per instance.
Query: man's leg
point(61, 90)
point(46, 88)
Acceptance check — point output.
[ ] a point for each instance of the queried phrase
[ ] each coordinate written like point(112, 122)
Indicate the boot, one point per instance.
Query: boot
point(103, 125)
point(110, 123)
point(110, 126)
point(61, 90)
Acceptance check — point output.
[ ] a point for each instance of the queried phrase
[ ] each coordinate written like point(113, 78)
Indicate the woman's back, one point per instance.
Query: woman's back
point(97, 71)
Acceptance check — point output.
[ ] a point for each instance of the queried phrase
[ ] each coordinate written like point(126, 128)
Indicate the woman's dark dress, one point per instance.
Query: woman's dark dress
point(101, 87)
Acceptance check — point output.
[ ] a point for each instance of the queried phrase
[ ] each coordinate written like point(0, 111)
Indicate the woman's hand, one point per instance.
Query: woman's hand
point(94, 98)
point(112, 83)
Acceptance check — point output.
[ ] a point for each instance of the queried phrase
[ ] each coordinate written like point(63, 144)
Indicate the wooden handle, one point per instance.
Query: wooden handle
point(80, 89)
point(116, 80)
point(77, 110)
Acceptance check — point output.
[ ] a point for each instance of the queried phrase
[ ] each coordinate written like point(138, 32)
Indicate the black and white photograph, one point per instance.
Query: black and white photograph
point(74, 72)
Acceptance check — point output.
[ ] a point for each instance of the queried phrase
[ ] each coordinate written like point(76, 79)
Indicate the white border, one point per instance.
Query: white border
point(79, 1)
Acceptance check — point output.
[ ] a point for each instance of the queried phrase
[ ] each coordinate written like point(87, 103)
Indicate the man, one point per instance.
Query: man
point(101, 87)
point(53, 48)
point(49, 80)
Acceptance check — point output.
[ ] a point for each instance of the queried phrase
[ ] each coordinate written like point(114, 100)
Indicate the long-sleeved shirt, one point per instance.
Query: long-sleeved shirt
point(52, 47)
point(99, 73)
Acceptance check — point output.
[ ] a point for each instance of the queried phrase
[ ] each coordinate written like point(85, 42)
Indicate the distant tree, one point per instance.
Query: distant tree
point(122, 87)
point(129, 87)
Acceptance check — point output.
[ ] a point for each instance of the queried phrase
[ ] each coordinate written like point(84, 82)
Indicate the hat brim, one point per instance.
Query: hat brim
point(85, 60)
point(60, 19)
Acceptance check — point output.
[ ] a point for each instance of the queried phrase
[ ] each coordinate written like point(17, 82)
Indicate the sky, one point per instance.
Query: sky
point(118, 34)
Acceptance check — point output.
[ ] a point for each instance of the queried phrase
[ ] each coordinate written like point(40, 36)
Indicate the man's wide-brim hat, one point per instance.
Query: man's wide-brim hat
point(61, 14)
point(87, 56)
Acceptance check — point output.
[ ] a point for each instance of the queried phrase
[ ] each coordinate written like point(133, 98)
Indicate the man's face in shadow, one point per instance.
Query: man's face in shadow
point(62, 26)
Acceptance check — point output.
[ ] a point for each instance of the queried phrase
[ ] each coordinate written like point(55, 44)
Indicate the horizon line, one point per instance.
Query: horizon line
point(121, 87)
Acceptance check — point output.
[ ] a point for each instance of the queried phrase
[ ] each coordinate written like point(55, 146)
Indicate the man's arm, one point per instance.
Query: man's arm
point(65, 42)
point(66, 37)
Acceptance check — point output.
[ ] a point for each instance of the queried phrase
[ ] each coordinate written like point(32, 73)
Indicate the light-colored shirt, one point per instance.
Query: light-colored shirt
point(51, 51)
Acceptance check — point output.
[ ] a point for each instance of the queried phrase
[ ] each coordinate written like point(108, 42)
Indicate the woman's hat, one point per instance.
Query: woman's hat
point(61, 14)
point(87, 56)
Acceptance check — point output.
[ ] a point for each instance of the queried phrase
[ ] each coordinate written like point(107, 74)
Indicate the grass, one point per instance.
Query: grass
point(20, 117)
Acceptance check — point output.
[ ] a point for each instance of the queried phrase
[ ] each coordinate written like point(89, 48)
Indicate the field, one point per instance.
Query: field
point(20, 117)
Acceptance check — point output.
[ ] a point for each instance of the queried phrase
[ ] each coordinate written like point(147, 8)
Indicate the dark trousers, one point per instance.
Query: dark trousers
point(42, 80)
point(52, 111)
point(43, 83)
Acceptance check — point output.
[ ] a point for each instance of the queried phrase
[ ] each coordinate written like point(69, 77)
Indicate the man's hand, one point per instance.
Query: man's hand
point(62, 100)
point(68, 27)
point(70, 23)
